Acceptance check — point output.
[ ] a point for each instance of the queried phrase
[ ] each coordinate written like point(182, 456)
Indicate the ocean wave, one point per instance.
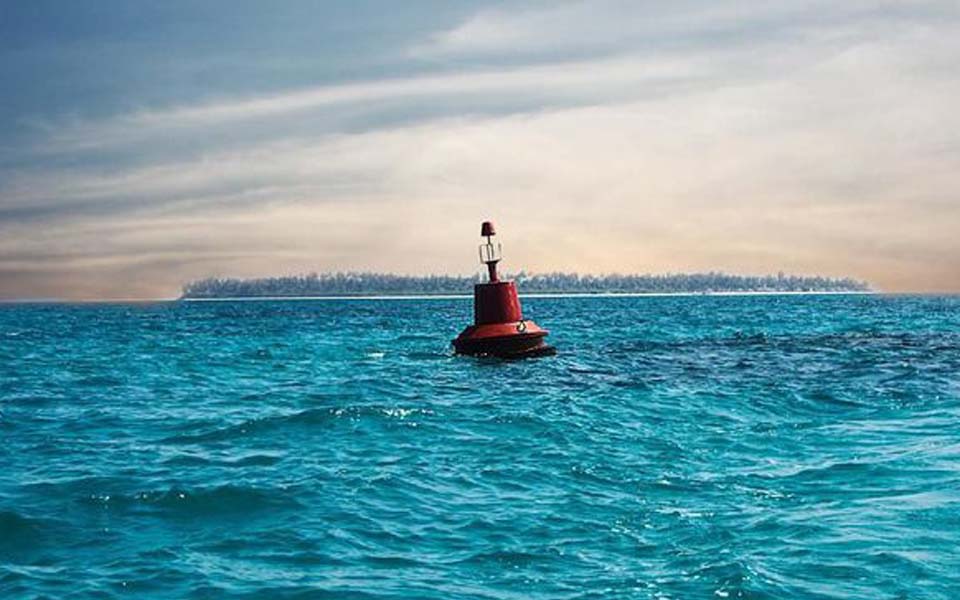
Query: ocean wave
point(23, 537)
point(306, 418)
point(15, 528)
point(251, 460)
point(200, 502)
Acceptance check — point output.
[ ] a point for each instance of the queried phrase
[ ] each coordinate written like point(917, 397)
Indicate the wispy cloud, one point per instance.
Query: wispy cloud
point(613, 26)
point(827, 143)
point(510, 89)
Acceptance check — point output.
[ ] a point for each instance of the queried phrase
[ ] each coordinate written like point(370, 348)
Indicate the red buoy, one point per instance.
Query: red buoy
point(499, 328)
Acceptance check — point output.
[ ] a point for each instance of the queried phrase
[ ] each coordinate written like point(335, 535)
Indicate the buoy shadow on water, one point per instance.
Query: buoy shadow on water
point(541, 352)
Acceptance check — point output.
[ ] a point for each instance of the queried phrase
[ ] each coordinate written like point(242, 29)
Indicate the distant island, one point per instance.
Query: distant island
point(378, 284)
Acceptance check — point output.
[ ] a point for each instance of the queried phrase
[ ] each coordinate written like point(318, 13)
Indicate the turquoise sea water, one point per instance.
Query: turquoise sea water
point(686, 447)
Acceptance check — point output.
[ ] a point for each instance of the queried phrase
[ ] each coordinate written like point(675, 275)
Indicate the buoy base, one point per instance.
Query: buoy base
point(520, 339)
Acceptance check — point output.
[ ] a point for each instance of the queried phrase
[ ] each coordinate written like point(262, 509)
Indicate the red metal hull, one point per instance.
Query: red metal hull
point(519, 339)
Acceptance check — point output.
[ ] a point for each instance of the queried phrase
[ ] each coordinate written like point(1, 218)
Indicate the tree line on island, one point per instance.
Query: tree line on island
point(373, 284)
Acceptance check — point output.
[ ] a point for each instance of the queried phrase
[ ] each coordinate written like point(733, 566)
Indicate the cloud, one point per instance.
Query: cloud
point(508, 89)
point(831, 147)
point(613, 26)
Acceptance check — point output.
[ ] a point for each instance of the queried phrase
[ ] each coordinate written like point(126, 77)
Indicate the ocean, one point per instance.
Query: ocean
point(676, 447)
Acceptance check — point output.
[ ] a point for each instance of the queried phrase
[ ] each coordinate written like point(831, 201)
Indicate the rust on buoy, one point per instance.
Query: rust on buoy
point(499, 328)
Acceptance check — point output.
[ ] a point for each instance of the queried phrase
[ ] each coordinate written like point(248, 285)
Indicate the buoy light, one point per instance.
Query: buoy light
point(490, 254)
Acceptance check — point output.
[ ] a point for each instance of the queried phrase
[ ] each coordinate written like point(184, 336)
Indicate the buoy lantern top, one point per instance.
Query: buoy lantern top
point(490, 253)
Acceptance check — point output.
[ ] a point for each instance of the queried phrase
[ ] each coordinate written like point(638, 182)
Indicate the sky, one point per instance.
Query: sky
point(146, 144)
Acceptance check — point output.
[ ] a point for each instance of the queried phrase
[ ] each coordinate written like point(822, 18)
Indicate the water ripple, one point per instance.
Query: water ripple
point(703, 447)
